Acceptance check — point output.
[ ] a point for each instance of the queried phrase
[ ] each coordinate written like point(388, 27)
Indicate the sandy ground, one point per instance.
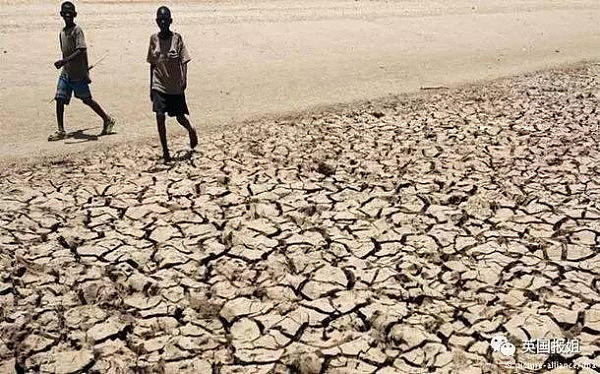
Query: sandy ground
point(261, 58)
point(399, 236)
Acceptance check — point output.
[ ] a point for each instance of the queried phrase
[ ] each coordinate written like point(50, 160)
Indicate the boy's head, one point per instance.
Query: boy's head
point(163, 18)
point(67, 11)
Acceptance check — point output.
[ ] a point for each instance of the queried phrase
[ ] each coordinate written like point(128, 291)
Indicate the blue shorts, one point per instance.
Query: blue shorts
point(66, 87)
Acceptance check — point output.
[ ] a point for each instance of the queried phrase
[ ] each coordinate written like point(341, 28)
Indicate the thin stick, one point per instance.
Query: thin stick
point(98, 62)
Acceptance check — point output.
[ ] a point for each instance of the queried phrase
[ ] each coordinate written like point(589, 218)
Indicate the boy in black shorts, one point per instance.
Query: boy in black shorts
point(168, 58)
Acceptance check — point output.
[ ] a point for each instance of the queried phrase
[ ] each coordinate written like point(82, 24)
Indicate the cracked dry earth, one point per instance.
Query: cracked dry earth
point(389, 237)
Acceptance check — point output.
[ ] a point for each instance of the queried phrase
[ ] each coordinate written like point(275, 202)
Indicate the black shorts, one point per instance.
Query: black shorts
point(174, 105)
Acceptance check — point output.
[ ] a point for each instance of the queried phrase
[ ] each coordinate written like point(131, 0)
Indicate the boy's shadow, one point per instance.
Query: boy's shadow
point(81, 137)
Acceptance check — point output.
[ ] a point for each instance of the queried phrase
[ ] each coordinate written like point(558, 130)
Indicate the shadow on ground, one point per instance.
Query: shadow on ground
point(80, 136)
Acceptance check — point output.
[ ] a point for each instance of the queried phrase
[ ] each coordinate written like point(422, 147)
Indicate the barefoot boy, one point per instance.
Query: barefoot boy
point(75, 73)
point(168, 60)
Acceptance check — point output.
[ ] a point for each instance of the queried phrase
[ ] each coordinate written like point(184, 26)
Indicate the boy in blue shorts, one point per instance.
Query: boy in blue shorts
point(168, 58)
point(74, 77)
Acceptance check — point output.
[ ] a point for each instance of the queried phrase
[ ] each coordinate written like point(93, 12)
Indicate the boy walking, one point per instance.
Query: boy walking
point(75, 73)
point(168, 58)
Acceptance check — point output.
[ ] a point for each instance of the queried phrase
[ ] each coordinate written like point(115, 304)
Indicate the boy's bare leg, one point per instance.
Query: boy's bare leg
point(162, 133)
point(183, 121)
point(96, 108)
point(60, 115)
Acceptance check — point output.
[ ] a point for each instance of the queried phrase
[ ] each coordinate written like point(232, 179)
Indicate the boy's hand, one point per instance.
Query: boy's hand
point(60, 63)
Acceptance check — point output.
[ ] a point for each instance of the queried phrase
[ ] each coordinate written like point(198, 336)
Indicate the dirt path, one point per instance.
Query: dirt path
point(263, 58)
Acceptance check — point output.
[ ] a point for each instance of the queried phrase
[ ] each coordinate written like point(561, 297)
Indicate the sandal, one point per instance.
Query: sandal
point(108, 126)
point(58, 135)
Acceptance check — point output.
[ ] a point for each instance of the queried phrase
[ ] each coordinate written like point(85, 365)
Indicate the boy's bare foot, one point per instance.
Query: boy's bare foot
point(108, 126)
point(193, 137)
point(58, 135)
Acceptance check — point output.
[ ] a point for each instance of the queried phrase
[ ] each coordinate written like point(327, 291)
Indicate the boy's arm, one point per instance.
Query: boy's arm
point(151, 71)
point(152, 61)
point(185, 58)
point(184, 69)
point(62, 62)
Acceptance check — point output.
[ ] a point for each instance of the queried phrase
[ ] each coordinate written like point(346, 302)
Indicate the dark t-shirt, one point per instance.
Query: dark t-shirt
point(168, 57)
point(71, 40)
